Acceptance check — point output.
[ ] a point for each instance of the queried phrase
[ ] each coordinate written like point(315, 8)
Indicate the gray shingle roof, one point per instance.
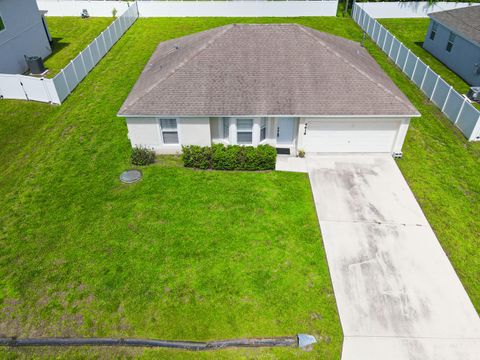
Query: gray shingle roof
point(464, 21)
point(281, 69)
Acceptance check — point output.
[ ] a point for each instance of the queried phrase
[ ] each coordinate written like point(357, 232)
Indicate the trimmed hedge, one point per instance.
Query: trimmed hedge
point(142, 156)
point(232, 157)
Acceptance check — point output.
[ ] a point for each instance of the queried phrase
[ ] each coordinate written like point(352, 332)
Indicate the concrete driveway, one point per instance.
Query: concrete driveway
point(398, 295)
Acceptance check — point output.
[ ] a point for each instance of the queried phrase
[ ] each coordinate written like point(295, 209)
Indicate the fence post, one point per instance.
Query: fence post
point(435, 86)
point(398, 52)
point(424, 77)
point(391, 45)
point(415, 68)
point(75, 71)
point(385, 38)
point(446, 99)
point(91, 54)
point(66, 82)
point(460, 111)
point(368, 24)
point(476, 130)
point(406, 60)
point(83, 62)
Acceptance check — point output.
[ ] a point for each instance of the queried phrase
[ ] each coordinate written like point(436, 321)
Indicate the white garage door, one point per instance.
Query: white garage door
point(350, 136)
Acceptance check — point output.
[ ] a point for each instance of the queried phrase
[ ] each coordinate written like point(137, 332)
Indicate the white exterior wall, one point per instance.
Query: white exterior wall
point(193, 8)
point(363, 135)
point(24, 34)
point(411, 9)
point(146, 132)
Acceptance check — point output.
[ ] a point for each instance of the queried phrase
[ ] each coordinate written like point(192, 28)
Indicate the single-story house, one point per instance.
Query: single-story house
point(285, 85)
point(23, 32)
point(453, 37)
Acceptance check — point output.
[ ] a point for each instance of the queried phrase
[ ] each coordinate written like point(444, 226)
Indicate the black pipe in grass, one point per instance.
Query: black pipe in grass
point(183, 345)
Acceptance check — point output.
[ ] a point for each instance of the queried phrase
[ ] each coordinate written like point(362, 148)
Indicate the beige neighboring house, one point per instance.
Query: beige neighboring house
point(285, 85)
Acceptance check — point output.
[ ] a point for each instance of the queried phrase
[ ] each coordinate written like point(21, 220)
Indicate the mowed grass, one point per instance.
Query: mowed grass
point(412, 32)
point(183, 254)
point(70, 35)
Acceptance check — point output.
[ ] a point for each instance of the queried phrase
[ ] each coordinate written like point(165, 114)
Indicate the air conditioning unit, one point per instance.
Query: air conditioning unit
point(474, 94)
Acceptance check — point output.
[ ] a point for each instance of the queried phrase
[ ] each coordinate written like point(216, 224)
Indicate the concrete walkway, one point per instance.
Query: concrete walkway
point(397, 294)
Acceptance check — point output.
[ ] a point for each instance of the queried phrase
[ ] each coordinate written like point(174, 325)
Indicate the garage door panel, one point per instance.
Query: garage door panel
point(350, 136)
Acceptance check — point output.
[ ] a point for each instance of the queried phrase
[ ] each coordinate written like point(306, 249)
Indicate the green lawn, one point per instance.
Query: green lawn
point(70, 35)
point(411, 32)
point(183, 254)
point(187, 254)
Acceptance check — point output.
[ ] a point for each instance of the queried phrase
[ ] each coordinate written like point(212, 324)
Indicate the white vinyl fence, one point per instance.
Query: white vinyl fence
point(409, 9)
point(57, 89)
point(229, 8)
point(455, 106)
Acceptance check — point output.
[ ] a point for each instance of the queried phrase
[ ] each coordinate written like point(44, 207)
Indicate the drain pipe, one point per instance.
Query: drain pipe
point(303, 341)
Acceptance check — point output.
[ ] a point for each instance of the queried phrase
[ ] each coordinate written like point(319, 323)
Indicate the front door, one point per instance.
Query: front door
point(285, 130)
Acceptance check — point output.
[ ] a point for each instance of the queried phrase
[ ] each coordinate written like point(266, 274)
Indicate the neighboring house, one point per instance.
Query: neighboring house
point(453, 37)
point(285, 85)
point(23, 31)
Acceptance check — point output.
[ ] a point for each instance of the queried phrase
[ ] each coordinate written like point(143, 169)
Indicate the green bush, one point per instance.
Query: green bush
point(142, 156)
point(232, 157)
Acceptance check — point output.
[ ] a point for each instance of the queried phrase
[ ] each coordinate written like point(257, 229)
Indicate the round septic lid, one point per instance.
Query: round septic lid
point(130, 176)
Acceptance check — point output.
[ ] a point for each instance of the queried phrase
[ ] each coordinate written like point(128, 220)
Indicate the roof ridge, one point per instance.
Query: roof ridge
point(363, 73)
point(183, 63)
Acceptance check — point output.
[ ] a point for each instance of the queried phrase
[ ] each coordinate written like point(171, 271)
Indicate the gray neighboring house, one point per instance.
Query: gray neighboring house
point(285, 85)
point(23, 31)
point(453, 37)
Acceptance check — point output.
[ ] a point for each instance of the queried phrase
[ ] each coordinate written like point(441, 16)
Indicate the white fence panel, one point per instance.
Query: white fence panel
point(94, 51)
point(408, 9)
point(35, 89)
point(61, 86)
point(429, 82)
point(440, 93)
point(409, 67)
point(80, 70)
point(102, 44)
point(469, 122)
point(11, 87)
point(87, 59)
point(419, 74)
point(453, 105)
point(193, 8)
point(70, 77)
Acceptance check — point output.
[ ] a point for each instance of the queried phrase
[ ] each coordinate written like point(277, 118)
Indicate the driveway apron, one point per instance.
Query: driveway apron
point(398, 296)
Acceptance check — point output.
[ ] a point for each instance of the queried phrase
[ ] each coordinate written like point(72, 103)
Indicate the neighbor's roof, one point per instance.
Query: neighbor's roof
point(282, 69)
point(464, 21)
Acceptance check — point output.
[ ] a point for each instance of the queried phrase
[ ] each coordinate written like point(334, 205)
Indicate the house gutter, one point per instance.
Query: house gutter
point(271, 115)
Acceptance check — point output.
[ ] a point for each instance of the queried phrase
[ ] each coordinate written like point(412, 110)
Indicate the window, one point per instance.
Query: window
point(434, 30)
point(451, 39)
point(226, 128)
point(2, 24)
point(169, 131)
point(244, 131)
point(263, 129)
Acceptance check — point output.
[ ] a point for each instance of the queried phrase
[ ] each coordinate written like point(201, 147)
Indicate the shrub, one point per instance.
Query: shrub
point(232, 157)
point(142, 156)
point(301, 153)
